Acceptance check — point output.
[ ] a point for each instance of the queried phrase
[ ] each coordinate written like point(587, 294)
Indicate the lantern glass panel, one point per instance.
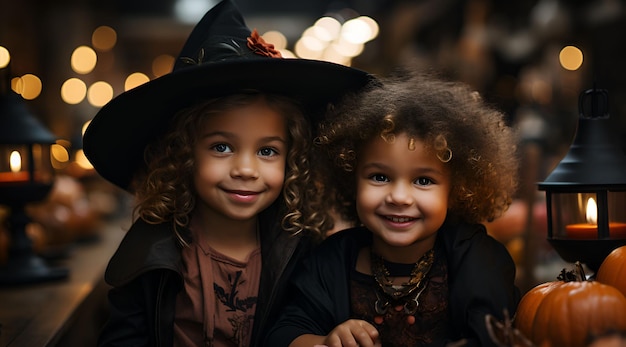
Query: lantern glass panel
point(42, 158)
point(578, 215)
point(13, 158)
point(23, 164)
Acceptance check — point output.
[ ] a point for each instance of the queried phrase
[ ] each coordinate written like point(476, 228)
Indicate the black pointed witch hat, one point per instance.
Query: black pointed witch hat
point(221, 56)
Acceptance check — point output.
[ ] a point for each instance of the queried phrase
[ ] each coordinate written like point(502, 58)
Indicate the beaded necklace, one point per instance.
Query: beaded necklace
point(403, 297)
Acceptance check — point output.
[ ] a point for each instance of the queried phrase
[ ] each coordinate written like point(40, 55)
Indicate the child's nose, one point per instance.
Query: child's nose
point(245, 166)
point(400, 194)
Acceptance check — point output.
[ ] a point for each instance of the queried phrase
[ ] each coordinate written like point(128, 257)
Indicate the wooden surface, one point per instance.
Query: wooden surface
point(57, 312)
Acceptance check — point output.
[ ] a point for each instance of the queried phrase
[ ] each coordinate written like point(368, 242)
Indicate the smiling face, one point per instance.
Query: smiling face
point(402, 196)
point(240, 162)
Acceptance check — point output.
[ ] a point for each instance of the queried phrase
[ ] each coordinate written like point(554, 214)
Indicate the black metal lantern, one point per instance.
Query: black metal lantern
point(26, 175)
point(586, 192)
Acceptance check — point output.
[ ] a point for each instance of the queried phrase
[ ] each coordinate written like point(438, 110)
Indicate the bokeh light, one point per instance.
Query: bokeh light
point(276, 38)
point(29, 86)
point(330, 40)
point(571, 58)
point(327, 29)
point(134, 80)
point(73, 91)
point(104, 38)
point(82, 160)
point(348, 48)
point(60, 154)
point(309, 47)
point(83, 60)
point(356, 31)
point(84, 128)
point(99, 93)
point(5, 57)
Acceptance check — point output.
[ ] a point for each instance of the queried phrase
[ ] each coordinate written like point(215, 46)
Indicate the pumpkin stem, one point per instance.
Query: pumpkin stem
point(575, 275)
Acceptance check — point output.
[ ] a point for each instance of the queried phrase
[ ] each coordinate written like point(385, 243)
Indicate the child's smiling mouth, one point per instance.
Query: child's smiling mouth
point(242, 196)
point(397, 219)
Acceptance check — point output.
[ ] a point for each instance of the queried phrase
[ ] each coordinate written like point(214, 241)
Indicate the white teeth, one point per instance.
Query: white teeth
point(399, 219)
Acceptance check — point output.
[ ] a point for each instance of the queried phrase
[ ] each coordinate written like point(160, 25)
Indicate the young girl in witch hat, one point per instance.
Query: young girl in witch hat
point(217, 155)
point(418, 163)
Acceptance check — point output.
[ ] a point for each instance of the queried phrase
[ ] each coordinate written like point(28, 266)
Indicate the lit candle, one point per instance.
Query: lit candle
point(589, 230)
point(15, 175)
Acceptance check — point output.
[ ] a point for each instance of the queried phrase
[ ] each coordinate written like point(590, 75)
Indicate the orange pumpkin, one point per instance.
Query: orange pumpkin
point(612, 271)
point(527, 307)
point(572, 313)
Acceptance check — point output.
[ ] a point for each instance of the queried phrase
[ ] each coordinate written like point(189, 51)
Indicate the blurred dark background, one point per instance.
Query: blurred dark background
point(507, 50)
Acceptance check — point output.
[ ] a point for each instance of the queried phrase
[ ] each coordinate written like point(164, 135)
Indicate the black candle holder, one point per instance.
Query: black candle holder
point(23, 265)
point(26, 176)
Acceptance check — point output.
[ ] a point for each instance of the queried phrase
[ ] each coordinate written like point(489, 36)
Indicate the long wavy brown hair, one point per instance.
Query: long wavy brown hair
point(165, 192)
point(467, 135)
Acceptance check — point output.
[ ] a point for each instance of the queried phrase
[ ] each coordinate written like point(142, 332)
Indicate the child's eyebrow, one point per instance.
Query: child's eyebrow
point(273, 138)
point(422, 170)
point(217, 133)
point(232, 135)
point(375, 165)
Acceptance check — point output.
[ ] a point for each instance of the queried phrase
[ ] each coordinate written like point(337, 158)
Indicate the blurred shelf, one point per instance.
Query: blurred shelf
point(66, 312)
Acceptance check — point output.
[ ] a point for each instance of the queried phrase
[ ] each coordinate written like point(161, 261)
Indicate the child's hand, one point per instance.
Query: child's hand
point(353, 333)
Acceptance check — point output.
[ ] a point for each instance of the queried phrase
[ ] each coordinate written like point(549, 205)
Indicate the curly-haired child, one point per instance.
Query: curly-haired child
point(417, 164)
point(217, 154)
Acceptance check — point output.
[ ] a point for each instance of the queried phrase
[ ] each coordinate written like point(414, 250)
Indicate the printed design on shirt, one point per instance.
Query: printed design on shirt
point(230, 298)
point(241, 326)
point(240, 319)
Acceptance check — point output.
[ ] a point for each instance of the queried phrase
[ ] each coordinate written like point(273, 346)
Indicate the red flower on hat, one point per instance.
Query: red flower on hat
point(260, 47)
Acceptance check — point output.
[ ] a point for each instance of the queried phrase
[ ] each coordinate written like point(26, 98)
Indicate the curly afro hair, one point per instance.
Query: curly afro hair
point(469, 136)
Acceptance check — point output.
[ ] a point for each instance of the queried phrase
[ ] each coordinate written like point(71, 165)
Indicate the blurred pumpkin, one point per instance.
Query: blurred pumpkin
point(612, 271)
point(66, 214)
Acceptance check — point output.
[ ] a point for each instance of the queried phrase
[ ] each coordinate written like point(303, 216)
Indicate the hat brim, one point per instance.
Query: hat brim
point(115, 139)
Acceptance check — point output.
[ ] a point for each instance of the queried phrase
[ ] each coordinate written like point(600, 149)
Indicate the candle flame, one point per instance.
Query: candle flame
point(592, 212)
point(15, 161)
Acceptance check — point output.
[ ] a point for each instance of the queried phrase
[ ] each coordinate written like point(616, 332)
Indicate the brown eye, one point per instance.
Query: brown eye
point(379, 178)
point(221, 147)
point(423, 181)
point(267, 152)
